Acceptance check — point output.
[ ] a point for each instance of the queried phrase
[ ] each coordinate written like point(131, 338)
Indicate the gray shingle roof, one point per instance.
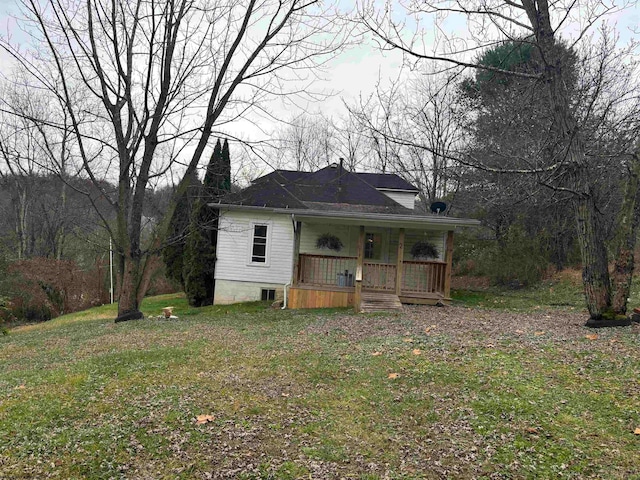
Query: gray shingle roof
point(330, 188)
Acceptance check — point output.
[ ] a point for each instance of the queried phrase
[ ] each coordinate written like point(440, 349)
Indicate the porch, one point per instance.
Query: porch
point(321, 280)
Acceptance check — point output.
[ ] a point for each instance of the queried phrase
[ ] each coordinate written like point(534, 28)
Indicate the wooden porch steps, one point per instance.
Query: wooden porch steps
point(380, 302)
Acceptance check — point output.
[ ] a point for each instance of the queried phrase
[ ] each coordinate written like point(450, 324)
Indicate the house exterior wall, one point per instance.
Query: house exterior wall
point(406, 199)
point(237, 277)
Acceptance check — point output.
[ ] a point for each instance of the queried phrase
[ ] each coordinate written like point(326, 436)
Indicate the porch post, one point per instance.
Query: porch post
point(449, 259)
point(358, 296)
point(400, 262)
point(297, 226)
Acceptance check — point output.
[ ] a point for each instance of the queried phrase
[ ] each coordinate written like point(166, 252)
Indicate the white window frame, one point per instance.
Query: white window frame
point(267, 260)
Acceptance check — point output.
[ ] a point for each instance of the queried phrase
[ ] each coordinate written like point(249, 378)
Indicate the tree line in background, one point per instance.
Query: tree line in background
point(535, 134)
point(54, 250)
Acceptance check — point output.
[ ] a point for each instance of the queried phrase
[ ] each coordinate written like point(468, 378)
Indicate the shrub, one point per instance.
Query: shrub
point(517, 260)
point(44, 288)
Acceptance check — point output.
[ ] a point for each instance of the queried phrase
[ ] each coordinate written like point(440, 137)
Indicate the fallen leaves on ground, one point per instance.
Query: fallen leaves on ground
point(205, 418)
point(417, 351)
point(376, 354)
point(393, 375)
point(591, 336)
point(539, 334)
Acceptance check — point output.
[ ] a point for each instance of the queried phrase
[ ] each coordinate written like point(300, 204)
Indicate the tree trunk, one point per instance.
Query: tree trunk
point(628, 225)
point(595, 273)
point(150, 267)
point(60, 234)
point(21, 222)
point(128, 298)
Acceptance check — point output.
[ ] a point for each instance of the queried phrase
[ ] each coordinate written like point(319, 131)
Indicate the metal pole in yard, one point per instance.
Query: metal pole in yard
point(110, 270)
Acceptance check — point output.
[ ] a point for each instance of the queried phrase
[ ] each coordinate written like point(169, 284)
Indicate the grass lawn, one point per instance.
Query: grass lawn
point(315, 394)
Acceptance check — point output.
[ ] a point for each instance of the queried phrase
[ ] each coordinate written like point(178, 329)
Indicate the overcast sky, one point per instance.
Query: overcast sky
point(354, 73)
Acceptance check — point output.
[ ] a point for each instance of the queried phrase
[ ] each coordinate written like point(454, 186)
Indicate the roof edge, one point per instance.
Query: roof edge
point(388, 217)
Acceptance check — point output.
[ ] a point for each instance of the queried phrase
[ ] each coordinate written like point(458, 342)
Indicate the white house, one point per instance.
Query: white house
point(268, 242)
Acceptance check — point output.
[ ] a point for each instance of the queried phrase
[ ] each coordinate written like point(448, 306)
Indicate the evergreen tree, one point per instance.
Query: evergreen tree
point(217, 180)
point(199, 254)
point(225, 177)
point(211, 178)
point(199, 259)
point(173, 252)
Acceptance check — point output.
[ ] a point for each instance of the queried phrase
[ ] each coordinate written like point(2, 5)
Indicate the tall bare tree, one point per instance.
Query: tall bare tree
point(539, 24)
point(413, 128)
point(156, 79)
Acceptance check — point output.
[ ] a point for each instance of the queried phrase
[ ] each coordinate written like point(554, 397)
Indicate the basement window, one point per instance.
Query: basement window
point(268, 294)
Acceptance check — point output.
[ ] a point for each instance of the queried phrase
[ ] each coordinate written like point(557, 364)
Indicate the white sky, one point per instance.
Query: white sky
point(354, 73)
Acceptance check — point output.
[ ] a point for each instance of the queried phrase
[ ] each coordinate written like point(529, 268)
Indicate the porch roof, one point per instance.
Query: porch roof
point(415, 221)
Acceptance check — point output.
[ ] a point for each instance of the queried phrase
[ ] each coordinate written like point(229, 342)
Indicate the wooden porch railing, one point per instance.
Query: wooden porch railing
point(423, 277)
point(418, 278)
point(379, 276)
point(326, 270)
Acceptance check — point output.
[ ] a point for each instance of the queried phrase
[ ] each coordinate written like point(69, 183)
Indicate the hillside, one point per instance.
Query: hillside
point(253, 392)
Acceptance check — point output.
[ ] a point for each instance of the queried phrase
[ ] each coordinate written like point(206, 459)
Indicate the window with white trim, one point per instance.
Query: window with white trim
point(259, 244)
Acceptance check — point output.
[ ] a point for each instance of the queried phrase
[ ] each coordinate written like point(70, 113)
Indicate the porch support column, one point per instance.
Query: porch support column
point(359, 265)
point(297, 227)
point(449, 259)
point(400, 262)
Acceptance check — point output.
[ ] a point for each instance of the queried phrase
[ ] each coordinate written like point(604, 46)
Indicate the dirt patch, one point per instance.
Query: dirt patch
point(467, 325)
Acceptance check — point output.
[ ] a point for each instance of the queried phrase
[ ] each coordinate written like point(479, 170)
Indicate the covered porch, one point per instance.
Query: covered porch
point(375, 259)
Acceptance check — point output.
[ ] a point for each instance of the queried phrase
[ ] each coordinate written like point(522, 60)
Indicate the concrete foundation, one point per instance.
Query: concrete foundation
point(229, 291)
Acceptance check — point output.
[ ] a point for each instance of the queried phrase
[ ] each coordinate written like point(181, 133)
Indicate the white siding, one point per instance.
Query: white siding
point(406, 199)
point(234, 248)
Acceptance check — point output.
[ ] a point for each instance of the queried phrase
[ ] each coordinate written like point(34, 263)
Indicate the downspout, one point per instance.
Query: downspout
point(284, 303)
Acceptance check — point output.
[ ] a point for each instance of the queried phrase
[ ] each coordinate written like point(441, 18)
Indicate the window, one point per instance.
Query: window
point(371, 246)
point(268, 294)
point(259, 247)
